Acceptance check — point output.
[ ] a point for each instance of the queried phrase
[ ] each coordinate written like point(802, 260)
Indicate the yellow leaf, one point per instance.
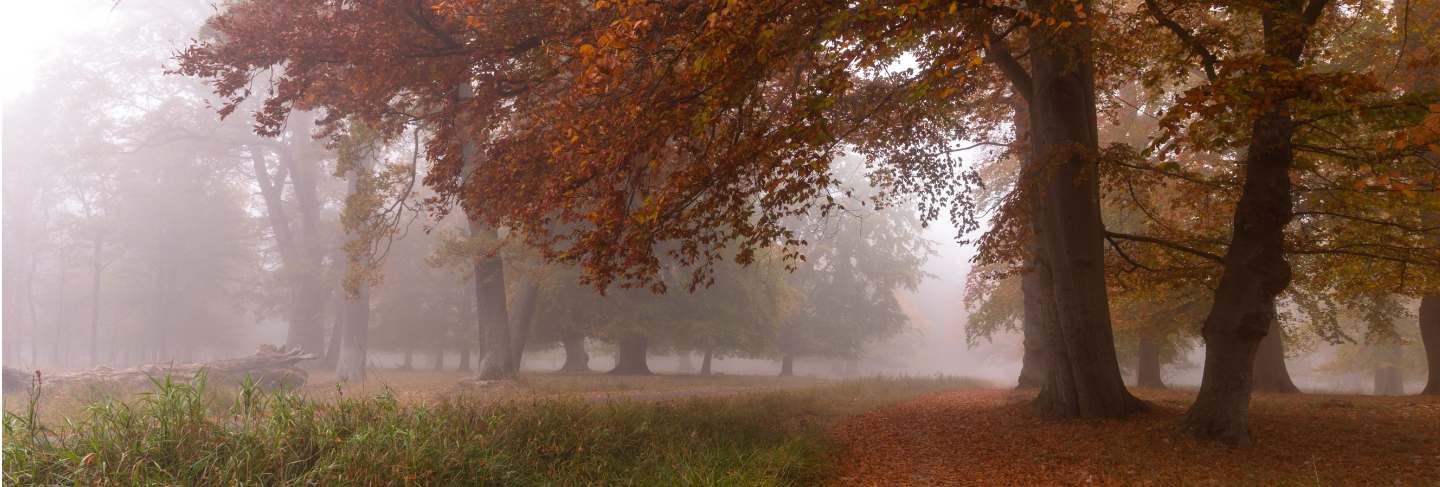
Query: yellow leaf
point(587, 50)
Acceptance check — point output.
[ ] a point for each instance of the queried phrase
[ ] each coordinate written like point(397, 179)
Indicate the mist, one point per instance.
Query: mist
point(142, 228)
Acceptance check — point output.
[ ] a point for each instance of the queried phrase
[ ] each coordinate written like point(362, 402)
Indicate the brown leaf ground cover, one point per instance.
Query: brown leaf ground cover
point(990, 437)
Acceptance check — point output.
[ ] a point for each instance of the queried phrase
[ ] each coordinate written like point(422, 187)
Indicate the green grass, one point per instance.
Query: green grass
point(178, 434)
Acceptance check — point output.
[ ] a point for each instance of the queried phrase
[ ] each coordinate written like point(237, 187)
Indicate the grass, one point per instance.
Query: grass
point(180, 434)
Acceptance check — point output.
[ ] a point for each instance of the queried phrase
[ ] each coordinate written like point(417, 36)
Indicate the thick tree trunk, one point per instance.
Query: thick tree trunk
point(97, 267)
point(354, 342)
point(464, 358)
point(493, 313)
point(630, 358)
point(685, 364)
point(354, 345)
point(1039, 308)
point(576, 358)
point(55, 354)
point(522, 319)
point(1035, 285)
point(312, 290)
point(439, 364)
point(1430, 337)
point(1389, 378)
point(787, 366)
point(1082, 376)
point(1255, 270)
point(1148, 371)
point(1271, 374)
point(337, 333)
point(705, 361)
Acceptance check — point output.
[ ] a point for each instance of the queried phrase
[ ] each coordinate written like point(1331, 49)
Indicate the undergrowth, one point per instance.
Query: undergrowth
point(176, 434)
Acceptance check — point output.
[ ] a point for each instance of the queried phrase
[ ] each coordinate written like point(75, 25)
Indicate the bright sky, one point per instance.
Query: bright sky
point(31, 30)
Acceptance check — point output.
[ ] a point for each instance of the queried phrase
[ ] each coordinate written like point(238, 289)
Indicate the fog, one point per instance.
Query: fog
point(141, 228)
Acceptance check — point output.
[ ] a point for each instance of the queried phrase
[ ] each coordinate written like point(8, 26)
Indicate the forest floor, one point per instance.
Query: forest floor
point(731, 430)
point(991, 437)
point(426, 386)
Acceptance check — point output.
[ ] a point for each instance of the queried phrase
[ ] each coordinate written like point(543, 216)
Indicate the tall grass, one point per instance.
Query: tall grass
point(177, 434)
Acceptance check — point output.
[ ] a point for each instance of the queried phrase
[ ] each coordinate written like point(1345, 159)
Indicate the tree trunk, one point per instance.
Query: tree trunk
point(630, 358)
point(1039, 308)
point(408, 363)
point(464, 358)
point(1430, 337)
point(1255, 270)
point(492, 315)
point(337, 334)
point(1082, 376)
point(354, 343)
point(55, 354)
point(685, 363)
point(1271, 374)
point(787, 366)
point(354, 346)
point(96, 268)
point(1389, 378)
point(313, 291)
point(576, 359)
point(705, 361)
point(1148, 371)
point(439, 358)
point(522, 319)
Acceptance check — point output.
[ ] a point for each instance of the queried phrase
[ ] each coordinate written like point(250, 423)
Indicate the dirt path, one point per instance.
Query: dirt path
point(989, 437)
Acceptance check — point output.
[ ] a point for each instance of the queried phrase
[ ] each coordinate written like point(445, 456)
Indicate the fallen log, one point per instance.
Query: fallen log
point(270, 368)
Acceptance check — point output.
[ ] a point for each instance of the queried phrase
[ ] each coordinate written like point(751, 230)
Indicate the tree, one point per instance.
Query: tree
point(687, 145)
point(1287, 115)
point(856, 259)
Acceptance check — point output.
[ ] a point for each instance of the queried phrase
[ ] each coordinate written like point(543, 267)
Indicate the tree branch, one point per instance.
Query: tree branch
point(1167, 244)
point(1207, 58)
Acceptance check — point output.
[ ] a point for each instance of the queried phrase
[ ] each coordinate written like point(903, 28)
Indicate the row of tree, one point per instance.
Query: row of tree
point(140, 229)
point(1293, 142)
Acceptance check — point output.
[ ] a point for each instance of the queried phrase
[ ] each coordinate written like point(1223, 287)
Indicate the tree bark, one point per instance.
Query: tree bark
point(705, 361)
point(354, 346)
point(337, 333)
point(354, 342)
point(1082, 376)
point(97, 267)
point(685, 364)
point(787, 366)
point(304, 330)
point(1271, 373)
point(522, 319)
point(576, 358)
point(1389, 378)
point(630, 358)
point(1148, 371)
point(312, 290)
point(489, 275)
point(56, 354)
point(464, 358)
point(1430, 337)
point(1254, 270)
point(1039, 308)
point(439, 364)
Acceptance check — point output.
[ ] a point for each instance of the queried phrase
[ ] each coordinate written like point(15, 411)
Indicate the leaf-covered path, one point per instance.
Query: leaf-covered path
point(990, 437)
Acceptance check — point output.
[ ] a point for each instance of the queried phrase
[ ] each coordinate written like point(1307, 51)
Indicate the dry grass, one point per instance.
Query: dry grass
point(179, 434)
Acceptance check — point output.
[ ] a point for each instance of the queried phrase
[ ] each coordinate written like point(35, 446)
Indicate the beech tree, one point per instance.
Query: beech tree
point(770, 92)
